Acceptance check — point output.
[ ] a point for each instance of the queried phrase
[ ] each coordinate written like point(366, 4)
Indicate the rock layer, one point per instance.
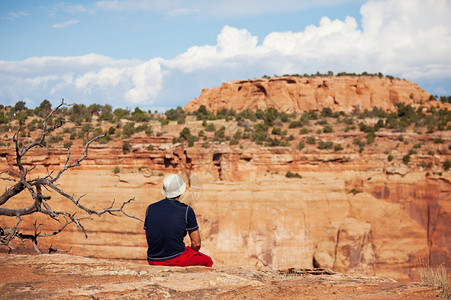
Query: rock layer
point(346, 208)
point(299, 94)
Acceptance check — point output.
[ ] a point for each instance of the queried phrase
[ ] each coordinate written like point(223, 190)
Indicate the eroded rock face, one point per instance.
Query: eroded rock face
point(347, 246)
point(251, 214)
point(299, 94)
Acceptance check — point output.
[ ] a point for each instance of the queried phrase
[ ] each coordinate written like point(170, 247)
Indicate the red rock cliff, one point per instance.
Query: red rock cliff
point(299, 94)
point(350, 211)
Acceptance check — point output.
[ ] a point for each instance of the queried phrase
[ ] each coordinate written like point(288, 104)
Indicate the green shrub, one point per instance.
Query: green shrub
point(126, 147)
point(185, 135)
point(305, 131)
point(338, 147)
point(301, 145)
point(276, 131)
point(358, 142)
point(128, 130)
point(326, 112)
point(325, 145)
point(139, 115)
point(370, 137)
point(233, 142)
point(311, 140)
point(295, 124)
point(417, 146)
point(322, 122)
point(327, 129)
point(260, 133)
point(406, 159)
point(68, 144)
point(203, 114)
point(210, 127)
point(412, 152)
point(116, 170)
point(292, 175)
point(446, 165)
point(354, 191)
point(79, 114)
point(175, 114)
point(348, 121)
point(365, 128)
point(121, 113)
point(439, 140)
point(220, 133)
point(111, 130)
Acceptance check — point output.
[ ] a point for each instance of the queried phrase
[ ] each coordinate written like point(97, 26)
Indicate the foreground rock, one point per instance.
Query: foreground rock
point(61, 276)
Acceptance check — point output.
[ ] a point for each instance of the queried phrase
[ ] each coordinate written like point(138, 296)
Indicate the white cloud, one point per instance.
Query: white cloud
point(16, 14)
point(409, 40)
point(65, 24)
point(147, 79)
point(398, 38)
point(78, 8)
point(231, 42)
point(218, 7)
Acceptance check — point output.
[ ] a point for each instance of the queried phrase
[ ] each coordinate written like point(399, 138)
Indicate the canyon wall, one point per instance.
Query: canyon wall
point(349, 212)
point(299, 94)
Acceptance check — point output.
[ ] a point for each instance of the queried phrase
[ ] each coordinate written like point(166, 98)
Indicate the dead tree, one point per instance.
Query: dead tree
point(36, 186)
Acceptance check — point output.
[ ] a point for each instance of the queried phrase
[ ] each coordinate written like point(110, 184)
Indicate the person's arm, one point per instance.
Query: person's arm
point(195, 239)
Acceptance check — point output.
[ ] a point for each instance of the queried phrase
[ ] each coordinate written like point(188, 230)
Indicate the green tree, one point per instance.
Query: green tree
point(121, 113)
point(128, 130)
point(139, 115)
point(43, 109)
point(94, 108)
point(106, 113)
point(19, 106)
point(79, 113)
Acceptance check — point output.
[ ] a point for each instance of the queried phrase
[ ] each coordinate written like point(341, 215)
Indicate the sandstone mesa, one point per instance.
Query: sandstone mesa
point(300, 94)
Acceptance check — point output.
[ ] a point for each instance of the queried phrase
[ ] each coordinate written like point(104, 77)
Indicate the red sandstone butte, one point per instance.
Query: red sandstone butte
point(299, 94)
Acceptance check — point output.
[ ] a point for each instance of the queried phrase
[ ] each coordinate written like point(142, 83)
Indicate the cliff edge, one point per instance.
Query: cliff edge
point(59, 276)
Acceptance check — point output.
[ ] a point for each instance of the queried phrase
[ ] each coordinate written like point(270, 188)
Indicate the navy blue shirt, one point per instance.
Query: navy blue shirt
point(166, 224)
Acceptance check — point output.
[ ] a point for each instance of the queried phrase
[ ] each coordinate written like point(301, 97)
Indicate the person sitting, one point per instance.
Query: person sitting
point(167, 222)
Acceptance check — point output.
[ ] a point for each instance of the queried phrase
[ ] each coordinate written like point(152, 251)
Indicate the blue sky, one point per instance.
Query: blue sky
point(159, 54)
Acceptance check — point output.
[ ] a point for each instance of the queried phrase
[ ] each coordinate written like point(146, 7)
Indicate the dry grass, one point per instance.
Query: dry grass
point(437, 276)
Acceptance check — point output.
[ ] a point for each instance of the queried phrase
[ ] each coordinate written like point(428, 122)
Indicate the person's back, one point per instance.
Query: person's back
point(166, 226)
point(167, 223)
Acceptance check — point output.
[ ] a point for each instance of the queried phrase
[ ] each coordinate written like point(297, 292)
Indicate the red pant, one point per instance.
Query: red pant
point(189, 257)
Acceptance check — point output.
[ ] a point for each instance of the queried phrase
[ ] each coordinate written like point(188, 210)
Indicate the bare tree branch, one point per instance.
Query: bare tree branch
point(35, 188)
point(51, 250)
point(7, 235)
